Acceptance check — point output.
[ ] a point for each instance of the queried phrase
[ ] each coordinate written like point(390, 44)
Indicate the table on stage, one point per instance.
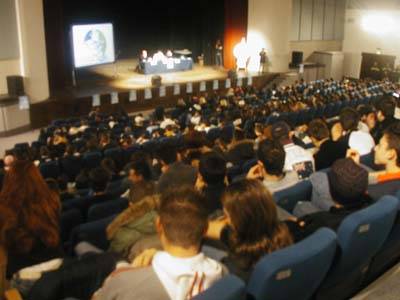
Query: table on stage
point(172, 64)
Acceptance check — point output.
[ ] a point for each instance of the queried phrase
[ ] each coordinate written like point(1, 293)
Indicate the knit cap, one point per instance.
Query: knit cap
point(347, 181)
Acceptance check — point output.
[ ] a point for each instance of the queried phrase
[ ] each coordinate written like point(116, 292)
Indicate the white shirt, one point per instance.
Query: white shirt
point(184, 278)
point(362, 142)
point(296, 154)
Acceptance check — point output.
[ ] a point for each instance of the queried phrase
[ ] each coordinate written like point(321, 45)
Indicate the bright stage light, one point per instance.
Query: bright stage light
point(241, 53)
point(256, 42)
point(379, 23)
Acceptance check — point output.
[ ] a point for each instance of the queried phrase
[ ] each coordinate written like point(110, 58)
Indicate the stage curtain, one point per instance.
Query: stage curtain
point(236, 13)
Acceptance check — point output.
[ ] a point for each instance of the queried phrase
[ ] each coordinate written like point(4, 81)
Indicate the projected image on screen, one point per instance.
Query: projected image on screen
point(93, 44)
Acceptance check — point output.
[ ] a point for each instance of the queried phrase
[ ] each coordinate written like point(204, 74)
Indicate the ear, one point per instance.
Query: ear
point(392, 155)
point(158, 224)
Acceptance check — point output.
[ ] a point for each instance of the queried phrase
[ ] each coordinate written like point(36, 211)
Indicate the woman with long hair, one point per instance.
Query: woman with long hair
point(250, 228)
point(29, 218)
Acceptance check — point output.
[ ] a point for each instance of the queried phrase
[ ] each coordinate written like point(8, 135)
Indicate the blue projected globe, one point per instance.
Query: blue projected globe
point(97, 43)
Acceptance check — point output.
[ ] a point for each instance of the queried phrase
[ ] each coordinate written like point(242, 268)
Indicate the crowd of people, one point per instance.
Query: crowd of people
point(200, 181)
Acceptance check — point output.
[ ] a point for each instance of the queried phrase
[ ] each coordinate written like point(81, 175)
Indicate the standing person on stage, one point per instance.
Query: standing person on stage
point(218, 53)
point(263, 61)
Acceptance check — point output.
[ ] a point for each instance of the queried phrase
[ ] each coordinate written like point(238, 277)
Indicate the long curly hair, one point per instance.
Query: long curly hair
point(256, 230)
point(29, 210)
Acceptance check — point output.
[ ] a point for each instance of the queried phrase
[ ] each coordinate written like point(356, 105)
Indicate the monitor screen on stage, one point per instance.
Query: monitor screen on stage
point(93, 44)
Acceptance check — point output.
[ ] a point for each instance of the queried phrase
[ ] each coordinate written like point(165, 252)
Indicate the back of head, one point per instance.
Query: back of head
point(142, 167)
point(29, 209)
point(318, 130)
point(254, 220)
point(349, 119)
point(182, 217)
point(212, 168)
point(280, 131)
point(387, 107)
point(348, 182)
point(167, 154)
point(272, 155)
point(99, 179)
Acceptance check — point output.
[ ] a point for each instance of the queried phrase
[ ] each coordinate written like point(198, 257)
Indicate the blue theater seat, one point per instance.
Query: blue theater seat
point(360, 236)
point(228, 288)
point(389, 254)
point(288, 198)
point(50, 169)
point(104, 210)
point(296, 271)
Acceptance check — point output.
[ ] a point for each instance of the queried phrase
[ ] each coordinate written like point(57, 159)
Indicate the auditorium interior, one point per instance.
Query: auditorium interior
point(204, 149)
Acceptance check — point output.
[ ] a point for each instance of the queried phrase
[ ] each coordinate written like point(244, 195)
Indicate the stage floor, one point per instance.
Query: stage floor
point(122, 75)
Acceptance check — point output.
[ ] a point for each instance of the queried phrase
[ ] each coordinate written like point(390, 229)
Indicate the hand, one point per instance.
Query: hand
point(144, 259)
point(354, 155)
point(255, 172)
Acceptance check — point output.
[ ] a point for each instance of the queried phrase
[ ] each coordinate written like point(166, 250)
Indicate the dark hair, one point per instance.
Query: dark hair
point(387, 107)
point(108, 164)
point(99, 179)
point(392, 134)
point(168, 154)
point(256, 229)
point(182, 216)
point(212, 168)
point(53, 185)
point(318, 130)
point(141, 167)
point(349, 119)
point(272, 155)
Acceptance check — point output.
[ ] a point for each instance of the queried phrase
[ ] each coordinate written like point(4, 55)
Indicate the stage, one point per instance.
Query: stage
point(122, 76)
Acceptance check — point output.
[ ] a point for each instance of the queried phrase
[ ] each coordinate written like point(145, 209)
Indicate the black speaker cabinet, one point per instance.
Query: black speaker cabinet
point(15, 85)
point(156, 80)
point(297, 59)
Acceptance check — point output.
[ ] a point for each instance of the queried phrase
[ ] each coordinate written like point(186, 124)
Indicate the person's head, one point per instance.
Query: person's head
point(99, 178)
point(272, 156)
point(348, 182)
point(182, 220)
point(29, 209)
point(212, 168)
point(252, 215)
point(318, 131)
point(385, 108)
point(139, 171)
point(280, 131)
point(349, 119)
point(367, 114)
point(167, 155)
point(387, 152)
point(108, 164)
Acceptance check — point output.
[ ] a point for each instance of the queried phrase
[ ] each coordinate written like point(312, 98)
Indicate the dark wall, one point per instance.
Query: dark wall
point(149, 24)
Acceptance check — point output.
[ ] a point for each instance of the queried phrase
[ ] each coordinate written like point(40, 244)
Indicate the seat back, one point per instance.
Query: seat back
point(92, 232)
point(92, 159)
point(229, 287)
point(104, 210)
point(296, 271)
point(50, 169)
point(362, 233)
point(360, 236)
point(288, 198)
point(68, 221)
